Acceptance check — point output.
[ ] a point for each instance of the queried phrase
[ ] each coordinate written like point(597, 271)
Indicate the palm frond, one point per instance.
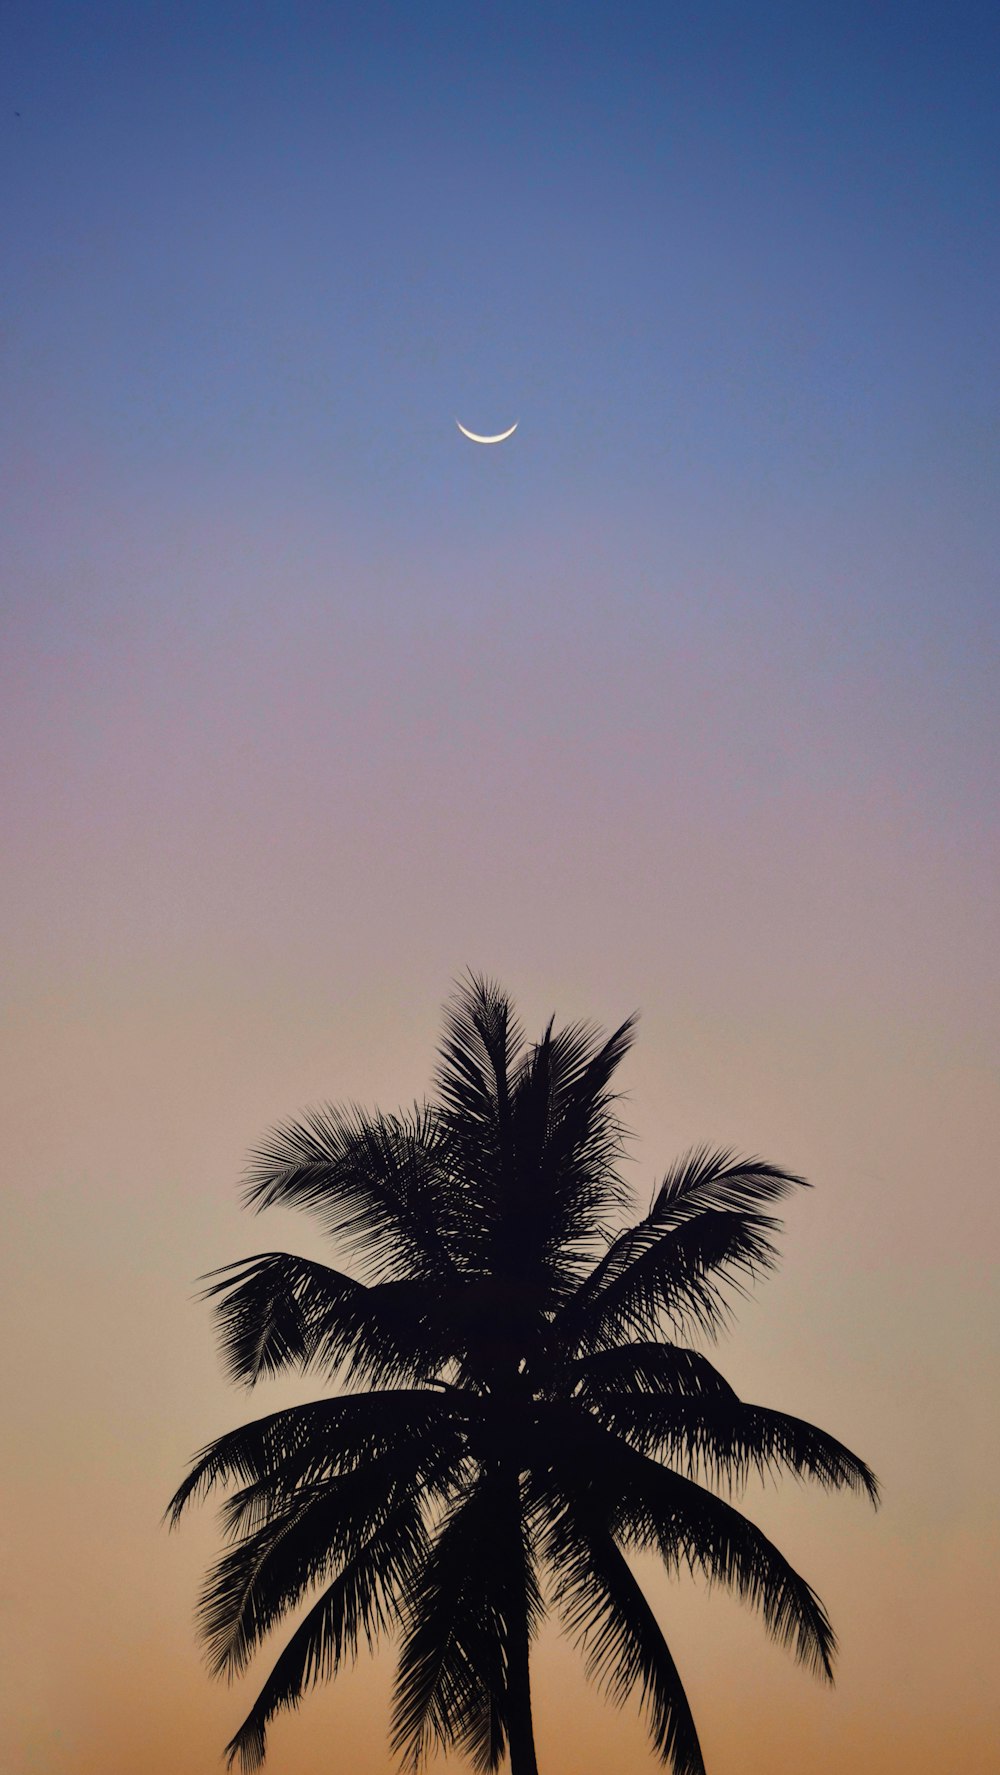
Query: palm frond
point(719, 1437)
point(568, 1142)
point(478, 1050)
point(306, 1443)
point(476, 1058)
point(276, 1311)
point(655, 1508)
point(256, 1582)
point(363, 1599)
point(375, 1181)
point(648, 1369)
point(717, 1179)
point(273, 1310)
point(303, 1538)
point(607, 1613)
point(683, 1521)
point(706, 1235)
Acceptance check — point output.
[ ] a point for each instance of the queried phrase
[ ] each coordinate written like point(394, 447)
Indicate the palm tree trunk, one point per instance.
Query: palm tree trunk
point(522, 1737)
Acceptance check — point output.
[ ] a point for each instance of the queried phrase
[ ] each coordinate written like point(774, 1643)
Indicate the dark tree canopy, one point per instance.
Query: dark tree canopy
point(516, 1405)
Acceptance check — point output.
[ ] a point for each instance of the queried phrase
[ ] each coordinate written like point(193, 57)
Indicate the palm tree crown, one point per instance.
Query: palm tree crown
point(516, 1407)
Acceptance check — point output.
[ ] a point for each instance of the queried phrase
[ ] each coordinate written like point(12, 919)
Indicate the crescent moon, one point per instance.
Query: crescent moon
point(475, 437)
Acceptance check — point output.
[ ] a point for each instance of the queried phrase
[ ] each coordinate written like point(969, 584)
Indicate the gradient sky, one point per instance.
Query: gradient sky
point(683, 699)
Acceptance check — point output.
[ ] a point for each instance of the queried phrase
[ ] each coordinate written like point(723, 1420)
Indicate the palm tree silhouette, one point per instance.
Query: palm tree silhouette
point(514, 1415)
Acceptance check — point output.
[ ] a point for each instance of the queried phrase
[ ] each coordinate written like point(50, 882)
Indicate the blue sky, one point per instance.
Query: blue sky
point(733, 270)
point(732, 251)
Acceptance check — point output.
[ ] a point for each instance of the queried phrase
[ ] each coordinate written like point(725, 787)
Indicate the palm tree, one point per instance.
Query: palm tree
point(515, 1411)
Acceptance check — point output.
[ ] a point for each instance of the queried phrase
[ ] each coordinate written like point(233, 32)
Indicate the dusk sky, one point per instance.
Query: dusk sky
point(682, 700)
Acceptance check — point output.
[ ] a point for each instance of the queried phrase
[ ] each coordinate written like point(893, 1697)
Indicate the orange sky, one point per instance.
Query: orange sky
point(133, 1103)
